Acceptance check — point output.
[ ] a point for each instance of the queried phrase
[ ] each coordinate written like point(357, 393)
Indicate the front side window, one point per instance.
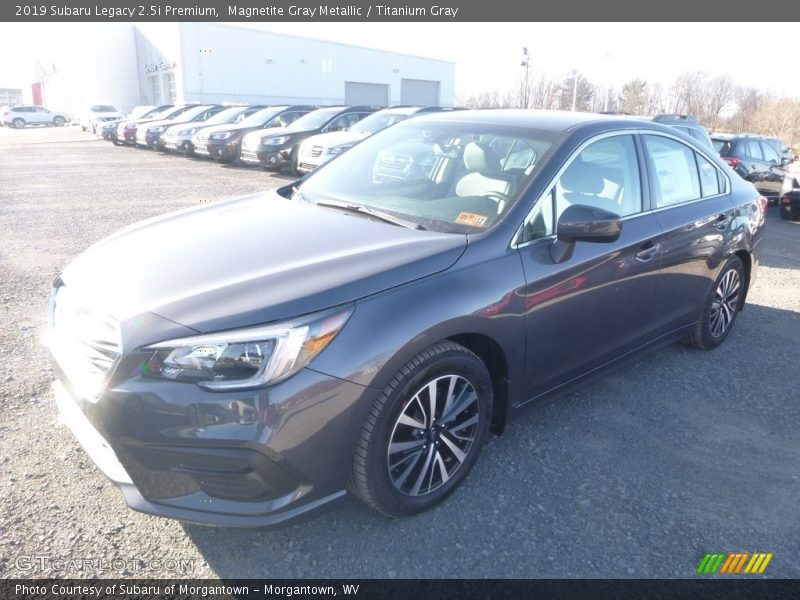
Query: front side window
point(450, 177)
point(604, 175)
point(675, 177)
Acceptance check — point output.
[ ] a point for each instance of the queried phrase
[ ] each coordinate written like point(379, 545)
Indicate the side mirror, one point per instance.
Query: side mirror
point(581, 223)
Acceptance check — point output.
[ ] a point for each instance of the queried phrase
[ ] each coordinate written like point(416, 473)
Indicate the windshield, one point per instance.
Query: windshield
point(226, 116)
point(448, 177)
point(103, 108)
point(377, 121)
point(315, 120)
point(262, 116)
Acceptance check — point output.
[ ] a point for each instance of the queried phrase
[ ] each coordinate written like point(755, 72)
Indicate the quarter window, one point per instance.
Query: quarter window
point(604, 175)
point(675, 176)
point(709, 177)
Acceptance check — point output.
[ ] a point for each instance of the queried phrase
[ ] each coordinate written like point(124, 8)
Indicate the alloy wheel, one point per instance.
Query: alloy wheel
point(433, 435)
point(725, 303)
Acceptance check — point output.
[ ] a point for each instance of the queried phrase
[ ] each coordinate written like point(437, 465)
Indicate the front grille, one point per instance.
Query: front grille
point(85, 343)
point(307, 166)
point(395, 162)
point(249, 156)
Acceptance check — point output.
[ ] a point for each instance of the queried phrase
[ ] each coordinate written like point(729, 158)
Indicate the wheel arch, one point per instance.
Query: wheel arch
point(747, 263)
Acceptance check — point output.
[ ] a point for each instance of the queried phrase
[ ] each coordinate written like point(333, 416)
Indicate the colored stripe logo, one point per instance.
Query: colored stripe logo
point(734, 563)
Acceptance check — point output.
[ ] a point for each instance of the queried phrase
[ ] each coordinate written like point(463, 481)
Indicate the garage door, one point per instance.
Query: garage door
point(419, 92)
point(371, 94)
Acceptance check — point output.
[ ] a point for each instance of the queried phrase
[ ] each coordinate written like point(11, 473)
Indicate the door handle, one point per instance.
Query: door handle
point(722, 222)
point(647, 251)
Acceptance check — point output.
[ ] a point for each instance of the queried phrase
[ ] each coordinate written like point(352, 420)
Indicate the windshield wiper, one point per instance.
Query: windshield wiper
point(371, 212)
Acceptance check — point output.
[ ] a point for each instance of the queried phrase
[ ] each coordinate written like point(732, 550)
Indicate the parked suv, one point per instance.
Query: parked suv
point(688, 125)
point(754, 159)
point(126, 130)
point(224, 142)
point(20, 116)
point(97, 115)
point(279, 149)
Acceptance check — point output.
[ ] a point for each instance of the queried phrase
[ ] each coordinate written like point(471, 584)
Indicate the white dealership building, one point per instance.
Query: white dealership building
point(159, 63)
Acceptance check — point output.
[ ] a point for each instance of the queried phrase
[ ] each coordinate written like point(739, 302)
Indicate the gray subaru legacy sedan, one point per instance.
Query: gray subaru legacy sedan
point(363, 330)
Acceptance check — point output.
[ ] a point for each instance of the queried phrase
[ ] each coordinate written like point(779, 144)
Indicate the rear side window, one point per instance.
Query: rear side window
point(722, 146)
point(675, 176)
point(709, 177)
point(753, 149)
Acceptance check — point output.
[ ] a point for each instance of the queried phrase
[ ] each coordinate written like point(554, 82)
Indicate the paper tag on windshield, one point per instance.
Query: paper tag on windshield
point(475, 220)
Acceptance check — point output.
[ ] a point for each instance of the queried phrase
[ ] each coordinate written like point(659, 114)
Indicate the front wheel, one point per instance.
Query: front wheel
point(18, 123)
point(59, 121)
point(424, 432)
point(721, 306)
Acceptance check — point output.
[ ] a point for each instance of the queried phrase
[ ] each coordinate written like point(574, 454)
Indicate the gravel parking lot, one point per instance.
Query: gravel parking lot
point(637, 475)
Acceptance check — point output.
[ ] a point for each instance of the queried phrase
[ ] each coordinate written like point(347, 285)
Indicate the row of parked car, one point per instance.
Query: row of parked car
point(296, 138)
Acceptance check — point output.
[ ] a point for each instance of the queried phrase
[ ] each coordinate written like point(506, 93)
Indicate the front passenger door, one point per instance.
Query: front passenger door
point(598, 304)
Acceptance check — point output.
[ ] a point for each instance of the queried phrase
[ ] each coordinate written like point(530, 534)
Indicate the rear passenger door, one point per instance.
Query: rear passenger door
point(691, 203)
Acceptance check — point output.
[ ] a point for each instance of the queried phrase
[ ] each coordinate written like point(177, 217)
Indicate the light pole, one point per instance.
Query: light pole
point(574, 88)
point(526, 62)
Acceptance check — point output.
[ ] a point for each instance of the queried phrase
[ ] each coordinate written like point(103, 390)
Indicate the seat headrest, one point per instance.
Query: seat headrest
point(583, 178)
point(481, 159)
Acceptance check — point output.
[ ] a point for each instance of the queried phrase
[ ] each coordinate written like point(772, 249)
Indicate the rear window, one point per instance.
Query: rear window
point(722, 146)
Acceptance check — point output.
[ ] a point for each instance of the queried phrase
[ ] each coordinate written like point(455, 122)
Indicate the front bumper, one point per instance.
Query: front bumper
point(223, 150)
point(178, 143)
point(151, 140)
point(271, 157)
point(257, 458)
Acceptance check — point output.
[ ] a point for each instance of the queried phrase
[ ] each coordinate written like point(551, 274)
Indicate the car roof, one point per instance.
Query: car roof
point(546, 120)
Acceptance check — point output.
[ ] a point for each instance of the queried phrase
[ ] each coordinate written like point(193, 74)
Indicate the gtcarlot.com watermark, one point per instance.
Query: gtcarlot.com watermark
point(33, 563)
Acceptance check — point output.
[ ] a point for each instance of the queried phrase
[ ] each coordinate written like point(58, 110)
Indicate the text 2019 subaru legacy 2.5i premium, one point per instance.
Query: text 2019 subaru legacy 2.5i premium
point(249, 362)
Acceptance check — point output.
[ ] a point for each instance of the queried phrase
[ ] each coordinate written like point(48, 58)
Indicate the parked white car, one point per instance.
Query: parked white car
point(20, 116)
point(97, 115)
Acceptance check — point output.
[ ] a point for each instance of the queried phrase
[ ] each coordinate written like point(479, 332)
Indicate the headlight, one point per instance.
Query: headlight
point(339, 149)
point(191, 131)
point(245, 358)
point(223, 135)
point(157, 129)
point(275, 141)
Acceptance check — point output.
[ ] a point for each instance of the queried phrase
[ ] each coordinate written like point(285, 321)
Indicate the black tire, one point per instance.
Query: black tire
point(18, 123)
point(59, 121)
point(787, 213)
point(720, 307)
point(371, 477)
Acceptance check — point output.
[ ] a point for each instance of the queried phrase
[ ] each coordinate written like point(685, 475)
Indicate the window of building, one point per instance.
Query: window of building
point(155, 89)
point(169, 85)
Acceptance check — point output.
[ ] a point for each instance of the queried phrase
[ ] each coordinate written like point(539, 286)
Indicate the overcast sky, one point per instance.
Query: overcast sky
point(487, 55)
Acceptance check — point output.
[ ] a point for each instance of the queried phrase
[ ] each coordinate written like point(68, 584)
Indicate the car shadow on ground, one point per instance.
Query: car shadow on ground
point(635, 475)
point(781, 243)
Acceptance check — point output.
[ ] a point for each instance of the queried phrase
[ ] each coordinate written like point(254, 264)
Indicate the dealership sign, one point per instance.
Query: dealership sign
point(162, 66)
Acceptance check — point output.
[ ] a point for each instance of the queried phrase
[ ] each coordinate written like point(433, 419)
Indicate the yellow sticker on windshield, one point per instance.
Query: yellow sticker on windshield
point(475, 220)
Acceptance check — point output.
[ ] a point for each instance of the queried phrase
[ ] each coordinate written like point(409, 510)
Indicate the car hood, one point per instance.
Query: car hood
point(254, 260)
point(336, 138)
